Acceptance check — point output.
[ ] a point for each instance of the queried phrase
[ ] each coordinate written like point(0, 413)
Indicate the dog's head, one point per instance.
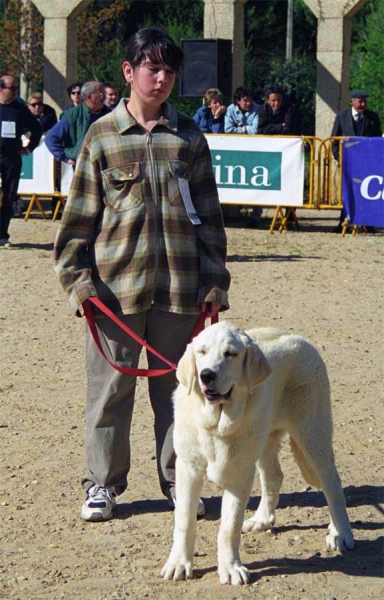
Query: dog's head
point(219, 360)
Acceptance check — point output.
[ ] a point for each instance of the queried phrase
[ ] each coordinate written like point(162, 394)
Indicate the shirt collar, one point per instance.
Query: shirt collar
point(125, 121)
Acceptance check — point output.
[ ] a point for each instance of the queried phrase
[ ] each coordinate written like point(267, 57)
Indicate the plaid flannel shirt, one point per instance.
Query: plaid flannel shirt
point(125, 235)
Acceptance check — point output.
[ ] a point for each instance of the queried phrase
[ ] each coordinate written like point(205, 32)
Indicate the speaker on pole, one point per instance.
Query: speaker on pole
point(207, 64)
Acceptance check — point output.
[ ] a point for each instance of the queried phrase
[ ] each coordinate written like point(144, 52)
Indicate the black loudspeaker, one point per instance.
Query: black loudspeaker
point(207, 64)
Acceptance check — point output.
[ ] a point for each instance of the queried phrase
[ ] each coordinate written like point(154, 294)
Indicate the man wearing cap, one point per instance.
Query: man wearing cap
point(355, 121)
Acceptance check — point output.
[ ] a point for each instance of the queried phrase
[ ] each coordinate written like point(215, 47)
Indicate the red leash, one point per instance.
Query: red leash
point(128, 370)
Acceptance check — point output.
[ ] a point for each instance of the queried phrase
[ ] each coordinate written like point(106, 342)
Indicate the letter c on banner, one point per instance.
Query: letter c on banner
point(364, 188)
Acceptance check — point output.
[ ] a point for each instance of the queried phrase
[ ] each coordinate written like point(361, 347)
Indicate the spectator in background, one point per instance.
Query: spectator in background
point(355, 121)
point(277, 116)
point(210, 117)
point(243, 115)
point(74, 94)
point(15, 119)
point(65, 138)
point(111, 95)
point(44, 113)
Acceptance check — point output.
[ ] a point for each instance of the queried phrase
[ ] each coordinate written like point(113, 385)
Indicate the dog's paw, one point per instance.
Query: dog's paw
point(340, 540)
point(234, 573)
point(177, 570)
point(256, 523)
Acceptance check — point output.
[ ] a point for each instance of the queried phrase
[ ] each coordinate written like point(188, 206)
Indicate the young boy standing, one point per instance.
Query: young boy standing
point(142, 230)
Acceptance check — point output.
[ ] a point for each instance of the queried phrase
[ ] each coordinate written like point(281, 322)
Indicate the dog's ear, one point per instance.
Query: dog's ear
point(257, 368)
point(186, 369)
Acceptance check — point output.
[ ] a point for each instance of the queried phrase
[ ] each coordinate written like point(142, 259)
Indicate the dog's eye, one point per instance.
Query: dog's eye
point(201, 351)
point(229, 353)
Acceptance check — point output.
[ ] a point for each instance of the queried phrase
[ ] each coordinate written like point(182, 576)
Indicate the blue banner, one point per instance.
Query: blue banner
point(363, 181)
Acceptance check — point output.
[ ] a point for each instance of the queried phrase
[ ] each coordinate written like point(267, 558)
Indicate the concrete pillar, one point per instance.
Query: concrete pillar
point(333, 57)
point(60, 47)
point(224, 19)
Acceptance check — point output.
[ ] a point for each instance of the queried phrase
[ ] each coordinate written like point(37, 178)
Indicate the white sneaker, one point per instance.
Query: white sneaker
point(200, 507)
point(5, 243)
point(100, 503)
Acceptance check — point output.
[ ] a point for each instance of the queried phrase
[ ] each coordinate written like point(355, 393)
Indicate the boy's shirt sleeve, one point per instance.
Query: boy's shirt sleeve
point(211, 237)
point(76, 233)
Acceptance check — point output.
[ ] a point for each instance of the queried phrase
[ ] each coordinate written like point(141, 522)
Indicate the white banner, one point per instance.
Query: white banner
point(257, 170)
point(37, 172)
point(66, 178)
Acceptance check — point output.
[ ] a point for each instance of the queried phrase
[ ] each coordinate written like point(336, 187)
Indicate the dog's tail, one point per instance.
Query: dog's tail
point(305, 468)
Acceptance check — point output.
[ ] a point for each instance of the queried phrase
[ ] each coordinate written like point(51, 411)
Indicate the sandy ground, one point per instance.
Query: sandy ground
point(312, 282)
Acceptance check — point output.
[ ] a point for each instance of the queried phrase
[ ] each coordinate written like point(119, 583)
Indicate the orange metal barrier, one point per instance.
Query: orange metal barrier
point(329, 175)
point(322, 186)
point(35, 199)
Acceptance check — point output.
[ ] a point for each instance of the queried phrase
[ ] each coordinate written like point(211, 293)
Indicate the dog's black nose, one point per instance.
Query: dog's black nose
point(207, 375)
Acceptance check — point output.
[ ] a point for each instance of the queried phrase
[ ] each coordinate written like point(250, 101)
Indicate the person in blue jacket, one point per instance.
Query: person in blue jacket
point(243, 115)
point(210, 117)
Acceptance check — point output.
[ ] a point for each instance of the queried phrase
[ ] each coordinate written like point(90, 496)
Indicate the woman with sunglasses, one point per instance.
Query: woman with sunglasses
point(74, 94)
point(44, 113)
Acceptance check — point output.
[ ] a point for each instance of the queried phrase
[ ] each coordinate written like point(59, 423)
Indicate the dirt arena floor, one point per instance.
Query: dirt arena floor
point(312, 282)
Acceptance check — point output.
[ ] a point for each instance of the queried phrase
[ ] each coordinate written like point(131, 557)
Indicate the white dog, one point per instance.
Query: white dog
point(238, 393)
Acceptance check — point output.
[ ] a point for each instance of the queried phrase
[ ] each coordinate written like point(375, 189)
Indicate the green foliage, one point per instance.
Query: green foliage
point(105, 26)
point(21, 41)
point(100, 30)
point(265, 55)
point(367, 58)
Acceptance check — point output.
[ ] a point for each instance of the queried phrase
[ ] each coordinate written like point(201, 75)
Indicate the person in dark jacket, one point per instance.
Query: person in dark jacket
point(44, 113)
point(355, 121)
point(277, 116)
point(74, 94)
point(210, 117)
point(65, 138)
point(15, 120)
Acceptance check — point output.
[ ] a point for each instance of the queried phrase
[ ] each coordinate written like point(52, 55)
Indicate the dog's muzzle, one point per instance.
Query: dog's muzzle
point(208, 377)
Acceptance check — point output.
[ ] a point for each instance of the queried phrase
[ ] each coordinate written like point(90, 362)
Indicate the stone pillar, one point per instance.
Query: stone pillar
point(333, 56)
point(60, 47)
point(224, 19)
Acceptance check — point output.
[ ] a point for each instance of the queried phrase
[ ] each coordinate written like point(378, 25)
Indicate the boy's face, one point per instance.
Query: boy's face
point(111, 95)
point(150, 82)
point(245, 103)
point(275, 101)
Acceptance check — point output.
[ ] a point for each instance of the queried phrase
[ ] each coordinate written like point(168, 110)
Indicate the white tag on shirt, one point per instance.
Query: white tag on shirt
point(8, 129)
point(186, 196)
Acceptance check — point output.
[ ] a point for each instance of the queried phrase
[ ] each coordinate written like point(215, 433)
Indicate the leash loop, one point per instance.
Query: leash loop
point(129, 370)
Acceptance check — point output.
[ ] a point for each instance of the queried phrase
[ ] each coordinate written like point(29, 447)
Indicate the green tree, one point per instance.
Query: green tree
point(265, 51)
point(21, 41)
point(367, 57)
point(100, 32)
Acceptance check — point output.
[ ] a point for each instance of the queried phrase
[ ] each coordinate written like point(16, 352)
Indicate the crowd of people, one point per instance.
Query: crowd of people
point(89, 101)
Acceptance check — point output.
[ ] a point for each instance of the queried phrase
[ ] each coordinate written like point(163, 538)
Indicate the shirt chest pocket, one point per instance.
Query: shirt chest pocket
point(177, 169)
point(123, 187)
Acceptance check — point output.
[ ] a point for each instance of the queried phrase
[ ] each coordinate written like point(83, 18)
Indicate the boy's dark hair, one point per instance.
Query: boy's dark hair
point(156, 45)
point(273, 89)
point(71, 87)
point(240, 93)
point(110, 84)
